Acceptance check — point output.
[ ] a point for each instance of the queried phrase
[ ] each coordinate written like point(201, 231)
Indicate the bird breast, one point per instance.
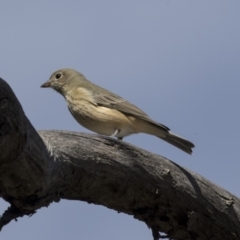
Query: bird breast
point(99, 119)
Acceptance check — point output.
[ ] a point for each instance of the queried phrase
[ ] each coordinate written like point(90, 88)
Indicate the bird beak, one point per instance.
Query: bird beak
point(46, 84)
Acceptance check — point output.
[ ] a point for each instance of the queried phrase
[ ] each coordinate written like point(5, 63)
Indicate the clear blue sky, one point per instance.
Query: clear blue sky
point(179, 61)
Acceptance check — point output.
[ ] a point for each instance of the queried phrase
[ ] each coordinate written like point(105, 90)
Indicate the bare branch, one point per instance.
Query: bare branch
point(39, 168)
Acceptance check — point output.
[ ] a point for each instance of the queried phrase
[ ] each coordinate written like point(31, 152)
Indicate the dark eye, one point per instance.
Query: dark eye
point(58, 75)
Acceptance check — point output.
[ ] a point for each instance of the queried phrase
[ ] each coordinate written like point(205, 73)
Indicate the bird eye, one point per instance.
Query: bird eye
point(58, 75)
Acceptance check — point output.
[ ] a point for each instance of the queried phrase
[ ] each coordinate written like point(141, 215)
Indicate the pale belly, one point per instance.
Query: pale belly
point(103, 120)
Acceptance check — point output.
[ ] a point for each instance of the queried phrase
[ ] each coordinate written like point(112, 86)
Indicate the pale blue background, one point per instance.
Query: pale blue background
point(177, 60)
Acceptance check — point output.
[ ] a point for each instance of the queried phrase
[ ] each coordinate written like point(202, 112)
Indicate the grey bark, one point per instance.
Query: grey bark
point(38, 168)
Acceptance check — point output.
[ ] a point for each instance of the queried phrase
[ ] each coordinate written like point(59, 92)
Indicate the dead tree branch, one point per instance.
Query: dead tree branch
point(37, 168)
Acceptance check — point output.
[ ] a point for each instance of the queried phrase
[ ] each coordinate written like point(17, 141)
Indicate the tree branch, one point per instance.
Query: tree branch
point(39, 168)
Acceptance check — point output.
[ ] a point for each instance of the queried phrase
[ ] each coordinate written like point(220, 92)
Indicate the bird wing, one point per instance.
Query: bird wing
point(111, 100)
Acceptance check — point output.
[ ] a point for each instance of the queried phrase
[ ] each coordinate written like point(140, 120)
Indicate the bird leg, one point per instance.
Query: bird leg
point(117, 131)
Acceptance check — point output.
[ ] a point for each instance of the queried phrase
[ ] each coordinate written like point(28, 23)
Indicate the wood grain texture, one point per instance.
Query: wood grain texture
point(37, 168)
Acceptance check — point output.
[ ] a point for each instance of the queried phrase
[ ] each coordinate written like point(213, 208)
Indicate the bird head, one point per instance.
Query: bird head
point(64, 80)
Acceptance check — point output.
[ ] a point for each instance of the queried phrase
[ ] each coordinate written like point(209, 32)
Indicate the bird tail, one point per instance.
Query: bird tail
point(178, 142)
point(149, 126)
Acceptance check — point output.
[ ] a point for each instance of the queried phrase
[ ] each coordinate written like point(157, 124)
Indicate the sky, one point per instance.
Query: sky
point(179, 61)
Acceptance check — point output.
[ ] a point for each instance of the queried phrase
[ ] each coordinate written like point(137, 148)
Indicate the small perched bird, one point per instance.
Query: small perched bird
point(103, 112)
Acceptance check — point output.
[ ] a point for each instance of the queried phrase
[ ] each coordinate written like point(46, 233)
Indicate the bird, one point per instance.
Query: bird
point(106, 113)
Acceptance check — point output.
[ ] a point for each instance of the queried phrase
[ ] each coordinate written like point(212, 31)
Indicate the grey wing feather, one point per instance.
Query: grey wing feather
point(112, 100)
